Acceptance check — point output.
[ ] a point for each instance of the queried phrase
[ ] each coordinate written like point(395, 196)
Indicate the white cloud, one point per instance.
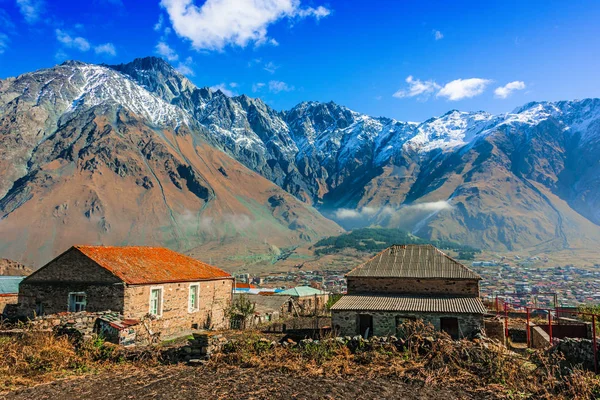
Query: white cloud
point(159, 24)
point(233, 84)
point(77, 43)
point(185, 67)
point(3, 42)
point(106, 48)
point(278, 86)
point(503, 92)
point(220, 23)
point(368, 213)
point(223, 88)
point(270, 67)
point(164, 50)
point(257, 86)
point(463, 88)
point(416, 87)
point(438, 35)
point(31, 9)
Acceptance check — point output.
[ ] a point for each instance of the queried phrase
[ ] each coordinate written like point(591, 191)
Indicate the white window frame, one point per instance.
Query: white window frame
point(160, 301)
point(192, 309)
point(75, 303)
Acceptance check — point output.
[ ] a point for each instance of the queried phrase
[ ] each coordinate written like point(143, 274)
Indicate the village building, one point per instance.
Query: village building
point(9, 295)
point(307, 299)
point(168, 292)
point(267, 308)
point(410, 282)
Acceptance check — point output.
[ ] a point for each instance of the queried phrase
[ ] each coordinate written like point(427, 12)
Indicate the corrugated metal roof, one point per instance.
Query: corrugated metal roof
point(144, 265)
point(302, 291)
point(10, 284)
point(413, 261)
point(437, 304)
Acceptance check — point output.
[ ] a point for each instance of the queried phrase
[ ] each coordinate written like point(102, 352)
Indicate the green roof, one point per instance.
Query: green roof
point(302, 291)
point(10, 284)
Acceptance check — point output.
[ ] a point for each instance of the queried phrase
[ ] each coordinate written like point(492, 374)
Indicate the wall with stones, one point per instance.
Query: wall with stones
point(8, 303)
point(70, 272)
point(494, 329)
point(54, 296)
point(539, 338)
point(176, 319)
point(465, 287)
point(384, 322)
point(308, 304)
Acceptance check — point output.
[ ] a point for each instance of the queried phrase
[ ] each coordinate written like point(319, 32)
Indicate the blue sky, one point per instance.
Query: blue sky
point(404, 59)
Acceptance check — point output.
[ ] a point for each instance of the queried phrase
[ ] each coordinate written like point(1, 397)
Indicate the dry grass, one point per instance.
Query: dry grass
point(425, 356)
point(35, 357)
point(422, 356)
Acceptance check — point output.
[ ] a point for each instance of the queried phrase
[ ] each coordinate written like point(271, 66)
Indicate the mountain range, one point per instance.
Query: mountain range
point(136, 153)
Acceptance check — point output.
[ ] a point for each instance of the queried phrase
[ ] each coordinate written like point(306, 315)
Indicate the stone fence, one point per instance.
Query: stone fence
point(577, 351)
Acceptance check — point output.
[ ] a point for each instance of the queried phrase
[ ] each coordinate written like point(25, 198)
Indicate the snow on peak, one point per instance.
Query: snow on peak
point(98, 84)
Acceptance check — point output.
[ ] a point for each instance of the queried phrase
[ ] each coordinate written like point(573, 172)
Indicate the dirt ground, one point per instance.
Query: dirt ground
point(182, 382)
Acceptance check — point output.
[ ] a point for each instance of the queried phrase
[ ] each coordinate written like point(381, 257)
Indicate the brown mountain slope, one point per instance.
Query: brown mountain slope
point(107, 177)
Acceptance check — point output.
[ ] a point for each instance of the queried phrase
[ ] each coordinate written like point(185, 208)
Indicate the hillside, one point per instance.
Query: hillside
point(136, 153)
point(13, 268)
point(91, 157)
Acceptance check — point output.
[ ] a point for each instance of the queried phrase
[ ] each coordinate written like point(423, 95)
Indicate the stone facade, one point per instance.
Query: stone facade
point(214, 298)
point(384, 322)
point(463, 287)
point(308, 305)
point(8, 305)
point(47, 292)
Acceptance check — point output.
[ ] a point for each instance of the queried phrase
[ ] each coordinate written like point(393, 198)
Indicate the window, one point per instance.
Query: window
point(156, 301)
point(193, 298)
point(77, 302)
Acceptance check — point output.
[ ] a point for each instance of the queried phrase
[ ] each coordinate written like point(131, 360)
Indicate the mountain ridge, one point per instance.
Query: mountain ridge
point(508, 181)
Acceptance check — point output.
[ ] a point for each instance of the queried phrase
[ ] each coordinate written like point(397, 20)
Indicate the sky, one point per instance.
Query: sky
point(409, 60)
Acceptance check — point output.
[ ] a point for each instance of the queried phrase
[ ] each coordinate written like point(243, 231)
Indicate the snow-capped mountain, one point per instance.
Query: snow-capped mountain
point(520, 179)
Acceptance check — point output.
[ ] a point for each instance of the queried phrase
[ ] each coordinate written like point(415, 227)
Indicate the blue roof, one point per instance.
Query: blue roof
point(10, 284)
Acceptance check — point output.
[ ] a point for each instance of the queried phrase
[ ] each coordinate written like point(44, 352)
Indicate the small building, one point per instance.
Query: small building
point(267, 308)
point(168, 292)
point(308, 299)
point(410, 282)
point(9, 295)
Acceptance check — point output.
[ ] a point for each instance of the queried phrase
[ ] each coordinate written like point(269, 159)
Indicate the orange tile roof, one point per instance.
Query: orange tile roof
point(144, 265)
point(242, 285)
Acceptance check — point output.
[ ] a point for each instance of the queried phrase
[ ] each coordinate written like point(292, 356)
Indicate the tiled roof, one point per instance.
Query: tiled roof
point(10, 284)
point(242, 285)
point(302, 291)
point(145, 265)
point(436, 304)
point(413, 261)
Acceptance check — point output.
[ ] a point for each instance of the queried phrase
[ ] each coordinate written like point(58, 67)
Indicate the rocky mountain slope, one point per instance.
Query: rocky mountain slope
point(90, 156)
point(524, 179)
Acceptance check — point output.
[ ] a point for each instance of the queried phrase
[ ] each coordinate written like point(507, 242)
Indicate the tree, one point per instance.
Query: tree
point(240, 309)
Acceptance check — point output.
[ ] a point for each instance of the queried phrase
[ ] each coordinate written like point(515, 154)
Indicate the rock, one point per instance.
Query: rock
point(196, 362)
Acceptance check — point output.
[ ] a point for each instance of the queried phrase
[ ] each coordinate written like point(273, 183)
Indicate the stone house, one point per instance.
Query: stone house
point(410, 282)
point(9, 295)
point(308, 300)
point(169, 292)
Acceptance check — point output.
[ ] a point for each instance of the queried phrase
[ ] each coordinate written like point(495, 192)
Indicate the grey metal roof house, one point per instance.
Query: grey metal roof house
point(408, 282)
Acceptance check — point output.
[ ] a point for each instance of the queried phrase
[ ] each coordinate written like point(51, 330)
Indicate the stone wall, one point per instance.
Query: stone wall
point(384, 322)
point(8, 305)
point(71, 272)
point(577, 351)
point(176, 318)
point(54, 297)
point(495, 329)
point(464, 287)
point(539, 338)
point(306, 305)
